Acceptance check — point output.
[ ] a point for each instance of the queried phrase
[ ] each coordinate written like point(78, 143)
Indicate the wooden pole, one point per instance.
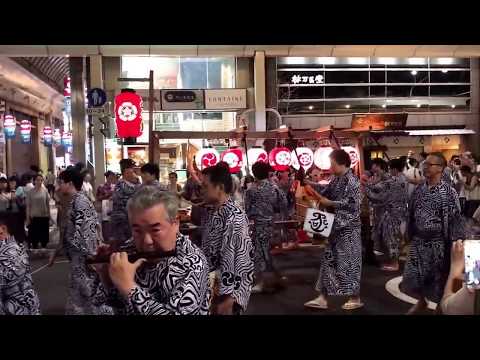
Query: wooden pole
point(151, 138)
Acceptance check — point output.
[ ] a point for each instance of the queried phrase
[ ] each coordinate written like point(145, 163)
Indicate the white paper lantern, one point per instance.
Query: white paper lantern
point(354, 155)
point(306, 158)
point(321, 158)
point(206, 157)
point(255, 154)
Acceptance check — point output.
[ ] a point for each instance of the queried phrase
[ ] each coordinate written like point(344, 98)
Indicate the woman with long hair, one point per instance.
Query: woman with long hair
point(38, 214)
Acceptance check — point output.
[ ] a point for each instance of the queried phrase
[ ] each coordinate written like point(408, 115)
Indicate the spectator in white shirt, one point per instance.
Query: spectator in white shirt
point(87, 187)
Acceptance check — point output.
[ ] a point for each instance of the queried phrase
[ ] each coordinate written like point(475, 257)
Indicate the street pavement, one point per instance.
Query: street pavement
point(299, 266)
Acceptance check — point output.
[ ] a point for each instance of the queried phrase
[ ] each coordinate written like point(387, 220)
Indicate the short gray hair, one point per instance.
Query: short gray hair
point(149, 196)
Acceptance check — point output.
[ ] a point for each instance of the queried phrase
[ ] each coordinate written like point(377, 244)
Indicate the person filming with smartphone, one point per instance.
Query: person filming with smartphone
point(459, 300)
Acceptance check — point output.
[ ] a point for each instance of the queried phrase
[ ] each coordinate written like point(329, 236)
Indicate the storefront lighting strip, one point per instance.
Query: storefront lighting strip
point(441, 132)
point(374, 84)
point(371, 69)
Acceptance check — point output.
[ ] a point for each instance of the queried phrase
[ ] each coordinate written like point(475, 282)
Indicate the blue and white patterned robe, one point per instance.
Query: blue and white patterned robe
point(121, 230)
point(177, 285)
point(434, 222)
point(262, 201)
point(17, 294)
point(389, 199)
point(341, 267)
point(229, 251)
point(81, 241)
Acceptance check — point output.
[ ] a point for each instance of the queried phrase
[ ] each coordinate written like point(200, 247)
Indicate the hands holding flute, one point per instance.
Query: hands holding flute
point(119, 272)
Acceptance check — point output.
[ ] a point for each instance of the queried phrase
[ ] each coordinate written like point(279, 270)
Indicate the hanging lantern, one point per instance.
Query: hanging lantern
point(67, 89)
point(280, 158)
point(354, 155)
point(47, 136)
point(128, 115)
point(67, 139)
point(256, 153)
point(207, 157)
point(25, 131)
point(306, 158)
point(9, 126)
point(57, 137)
point(234, 158)
point(321, 158)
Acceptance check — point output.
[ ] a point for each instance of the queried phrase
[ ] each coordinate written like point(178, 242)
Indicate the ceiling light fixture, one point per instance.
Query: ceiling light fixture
point(347, 106)
point(310, 107)
point(414, 72)
point(384, 106)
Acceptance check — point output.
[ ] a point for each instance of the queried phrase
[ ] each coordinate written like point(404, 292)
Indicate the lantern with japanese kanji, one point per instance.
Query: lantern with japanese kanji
point(47, 136)
point(128, 115)
point(305, 159)
point(207, 157)
point(25, 131)
point(57, 137)
point(234, 158)
point(256, 153)
point(280, 158)
point(353, 153)
point(67, 139)
point(321, 158)
point(9, 126)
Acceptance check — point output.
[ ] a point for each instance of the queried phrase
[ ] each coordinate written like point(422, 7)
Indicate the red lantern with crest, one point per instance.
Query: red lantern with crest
point(234, 158)
point(280, 158)
point(128, 114)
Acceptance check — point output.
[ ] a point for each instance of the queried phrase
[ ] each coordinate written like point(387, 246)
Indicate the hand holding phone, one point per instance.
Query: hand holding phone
point(472, 263)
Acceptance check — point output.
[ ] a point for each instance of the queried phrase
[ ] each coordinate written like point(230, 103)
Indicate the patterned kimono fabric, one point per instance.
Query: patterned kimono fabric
point(435, 222)
point(389, 198)
point(177, 285)
point(17, 295)
point(262, 201)
point(81, 240)
point(121, 231)
point(341, 266)
point(229, 251)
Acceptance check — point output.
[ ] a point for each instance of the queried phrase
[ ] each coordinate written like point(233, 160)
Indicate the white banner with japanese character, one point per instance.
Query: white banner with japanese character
point(318, 222)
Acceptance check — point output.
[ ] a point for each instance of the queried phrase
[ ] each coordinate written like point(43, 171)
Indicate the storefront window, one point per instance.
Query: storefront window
point(339, 85)
point(180, 73)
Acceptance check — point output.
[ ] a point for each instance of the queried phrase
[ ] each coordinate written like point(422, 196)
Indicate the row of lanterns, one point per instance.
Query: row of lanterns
point(280, 158)
point(55, 137)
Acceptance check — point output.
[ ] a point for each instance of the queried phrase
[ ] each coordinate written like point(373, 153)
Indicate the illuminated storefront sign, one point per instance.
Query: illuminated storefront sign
point(304, 79)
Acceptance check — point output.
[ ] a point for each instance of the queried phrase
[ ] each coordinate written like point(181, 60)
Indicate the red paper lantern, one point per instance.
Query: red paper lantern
point(280, 158)
point(128, 115)
point(234, 158)
point(207, 157)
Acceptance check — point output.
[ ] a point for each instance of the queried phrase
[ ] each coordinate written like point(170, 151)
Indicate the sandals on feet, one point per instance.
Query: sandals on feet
point(352, 305)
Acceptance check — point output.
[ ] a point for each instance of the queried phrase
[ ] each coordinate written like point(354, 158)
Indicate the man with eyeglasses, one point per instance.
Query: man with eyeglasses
point(434, 223)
